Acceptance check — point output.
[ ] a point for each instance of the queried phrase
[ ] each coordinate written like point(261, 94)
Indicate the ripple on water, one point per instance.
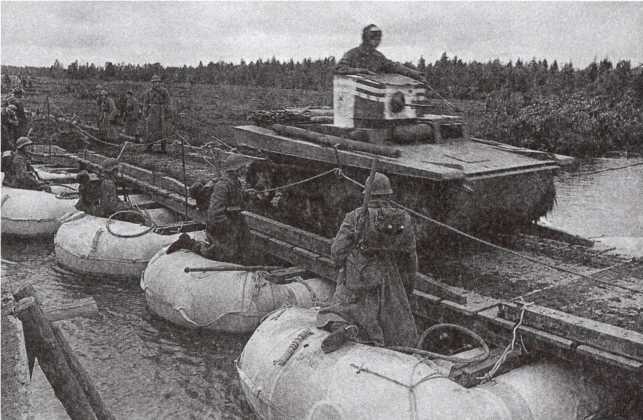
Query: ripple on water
point(142, 366)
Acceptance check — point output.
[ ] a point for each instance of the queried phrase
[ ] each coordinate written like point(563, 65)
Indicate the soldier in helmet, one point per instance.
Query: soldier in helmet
point(9, 127)
point(156, 109)
point(377, 261)
point(89, 193)
point(224, 226)
point(108, 202)
point(106, 115)
point(20, 173)
point(367, 60)
point(16, 100)
point(132, 114)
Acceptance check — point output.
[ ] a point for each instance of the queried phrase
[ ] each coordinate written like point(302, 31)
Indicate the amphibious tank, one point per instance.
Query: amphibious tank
point(435, 166)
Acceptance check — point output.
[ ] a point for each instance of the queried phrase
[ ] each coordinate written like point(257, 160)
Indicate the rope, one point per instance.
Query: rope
point(292, 347)
point(608, 169)
point(293, 184)
point(510, 251)
point(136, 235)
point(510, 347)
point(455, 359)
point(410, 388)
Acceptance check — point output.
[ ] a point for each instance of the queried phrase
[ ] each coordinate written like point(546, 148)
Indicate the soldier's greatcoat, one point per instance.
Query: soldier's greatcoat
point(156, 105)
point(224, 227)
point(21, 174)
point(106, 116)
point(373, 280)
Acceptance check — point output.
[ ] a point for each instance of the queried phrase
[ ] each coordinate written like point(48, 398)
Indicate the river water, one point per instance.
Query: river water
point(145, 368)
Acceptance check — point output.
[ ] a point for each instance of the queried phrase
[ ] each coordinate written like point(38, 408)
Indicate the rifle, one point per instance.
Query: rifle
point(368, 188)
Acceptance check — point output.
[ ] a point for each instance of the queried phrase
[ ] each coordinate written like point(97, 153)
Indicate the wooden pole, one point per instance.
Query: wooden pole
point(232, 268)
point(83, 378)
point(44, 344)
point(334, 141)
point(185, 185)
point(49, 124)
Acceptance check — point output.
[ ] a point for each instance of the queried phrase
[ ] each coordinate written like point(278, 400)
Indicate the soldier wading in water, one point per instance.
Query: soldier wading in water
point(374, 251)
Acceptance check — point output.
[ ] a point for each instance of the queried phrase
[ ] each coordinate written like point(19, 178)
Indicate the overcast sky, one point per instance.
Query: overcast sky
point(177, 33)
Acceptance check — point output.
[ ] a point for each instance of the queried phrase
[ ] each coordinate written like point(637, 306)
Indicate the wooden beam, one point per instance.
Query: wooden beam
point(582, 330)
point(284, 232)
point(45, 346)
point(268, 141)
point(93, 397)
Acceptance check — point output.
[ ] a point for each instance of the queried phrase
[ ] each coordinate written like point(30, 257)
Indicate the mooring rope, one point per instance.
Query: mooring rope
point(607, 169)
point(510, 347)
point(146, 218)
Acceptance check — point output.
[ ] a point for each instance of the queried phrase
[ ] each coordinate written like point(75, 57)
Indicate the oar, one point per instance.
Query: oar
point(232, 268)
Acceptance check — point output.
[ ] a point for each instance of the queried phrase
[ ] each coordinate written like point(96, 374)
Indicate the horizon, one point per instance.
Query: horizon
point(138, 33)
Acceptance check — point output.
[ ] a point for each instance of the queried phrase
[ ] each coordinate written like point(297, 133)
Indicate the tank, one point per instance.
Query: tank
point(435, 166)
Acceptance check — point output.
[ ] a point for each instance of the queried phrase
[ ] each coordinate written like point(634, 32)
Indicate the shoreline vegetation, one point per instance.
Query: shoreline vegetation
point(586, 112)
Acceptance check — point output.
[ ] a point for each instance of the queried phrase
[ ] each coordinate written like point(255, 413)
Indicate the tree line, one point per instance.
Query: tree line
point(548, 106)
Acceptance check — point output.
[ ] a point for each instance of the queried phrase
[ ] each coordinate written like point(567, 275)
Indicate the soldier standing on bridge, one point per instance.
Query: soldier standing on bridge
point(132, 115)
point(224, 226)
point(375, 253)
point(107, 114)
point(156, 107)
point(16, 99)
point(366, 59)
point(9, 127)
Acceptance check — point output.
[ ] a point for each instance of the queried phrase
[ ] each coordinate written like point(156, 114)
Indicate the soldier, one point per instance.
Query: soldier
point(109, 203)
point(156, 107)
point(375, 253)
point(224, 226)
point(89, 193)
point(9, 127)
point(366, 59)
point(131, 115)
point(20, 173)
point(107, 114)
point(16, 99)
point(99, 103)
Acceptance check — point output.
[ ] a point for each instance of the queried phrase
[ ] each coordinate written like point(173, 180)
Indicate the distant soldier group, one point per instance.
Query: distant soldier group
point(155, 109)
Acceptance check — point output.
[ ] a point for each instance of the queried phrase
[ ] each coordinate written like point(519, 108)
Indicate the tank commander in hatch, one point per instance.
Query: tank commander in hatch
point(365, 59)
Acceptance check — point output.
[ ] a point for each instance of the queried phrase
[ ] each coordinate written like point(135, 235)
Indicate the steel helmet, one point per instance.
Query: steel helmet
point(381, 185)
point(12, 107)
point(156, 78)
point(110, 164)
point(103, 92)
point(22, 142)
point(18, 90)
point(195, 189)
point(82, 174)
point(234, 162)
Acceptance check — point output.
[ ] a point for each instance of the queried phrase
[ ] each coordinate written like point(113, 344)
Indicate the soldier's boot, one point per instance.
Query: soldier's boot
point(184, 242)
point(338, 337)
